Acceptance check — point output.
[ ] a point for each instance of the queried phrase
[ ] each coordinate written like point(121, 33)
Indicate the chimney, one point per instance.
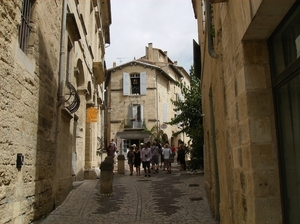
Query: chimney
point(150, 52)
point(175, 62)
point(114, 64)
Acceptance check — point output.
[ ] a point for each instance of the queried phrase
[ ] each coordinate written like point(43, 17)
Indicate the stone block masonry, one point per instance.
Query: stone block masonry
point(27, 111)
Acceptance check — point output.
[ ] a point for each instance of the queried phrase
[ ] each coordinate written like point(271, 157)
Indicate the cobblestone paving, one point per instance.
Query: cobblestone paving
point(162, 198)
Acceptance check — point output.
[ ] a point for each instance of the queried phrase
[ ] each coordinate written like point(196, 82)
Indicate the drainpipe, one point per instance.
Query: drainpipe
point(60, 93)
point(157, 121)
point(215, 155)
point(61, 74)
point(211, 49)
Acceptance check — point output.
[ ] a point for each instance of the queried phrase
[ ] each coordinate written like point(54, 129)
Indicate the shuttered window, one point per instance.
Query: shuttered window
point(135, 116)
point(134, 84)
point(197, 59)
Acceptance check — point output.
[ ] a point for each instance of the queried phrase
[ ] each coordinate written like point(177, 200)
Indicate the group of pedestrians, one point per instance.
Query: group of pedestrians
point(134, 159)
point(148, 155)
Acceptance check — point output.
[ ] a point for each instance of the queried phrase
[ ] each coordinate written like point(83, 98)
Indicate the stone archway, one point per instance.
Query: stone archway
point(78, 153)
point(165, 138)
point(79, 74)
point(90, 134)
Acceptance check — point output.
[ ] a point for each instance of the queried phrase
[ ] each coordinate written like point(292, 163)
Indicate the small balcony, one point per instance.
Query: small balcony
point(133, 123)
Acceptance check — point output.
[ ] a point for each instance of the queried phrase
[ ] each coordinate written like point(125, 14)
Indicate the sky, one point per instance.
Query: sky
point(169, 25)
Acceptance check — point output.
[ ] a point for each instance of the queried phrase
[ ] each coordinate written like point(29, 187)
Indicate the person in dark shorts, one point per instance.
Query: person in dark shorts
point(155, 155)
point(146, 157)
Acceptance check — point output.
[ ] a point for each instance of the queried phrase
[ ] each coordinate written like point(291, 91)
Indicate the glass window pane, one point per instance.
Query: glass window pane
point(288, 106)
point(286, 44)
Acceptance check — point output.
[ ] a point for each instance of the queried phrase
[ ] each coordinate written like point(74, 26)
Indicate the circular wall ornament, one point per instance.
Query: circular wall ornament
point(163, 126)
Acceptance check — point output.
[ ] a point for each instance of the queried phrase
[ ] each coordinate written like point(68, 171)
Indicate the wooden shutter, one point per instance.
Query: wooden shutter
point(130, 114)
point(126, 84)
point(165, 111)
point(142, 112)
point(143, 83)
point(179, 124)
point(179, 98)
point(197, 59)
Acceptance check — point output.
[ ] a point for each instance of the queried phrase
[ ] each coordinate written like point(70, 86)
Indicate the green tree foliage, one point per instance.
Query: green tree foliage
point(189, 115)
point(154, 134)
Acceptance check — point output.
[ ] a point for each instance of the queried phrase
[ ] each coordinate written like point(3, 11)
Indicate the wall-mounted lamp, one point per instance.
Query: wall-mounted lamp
point(20, 160)
point(76, 71)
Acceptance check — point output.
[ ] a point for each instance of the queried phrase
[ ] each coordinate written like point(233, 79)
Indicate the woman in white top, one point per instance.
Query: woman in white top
point(167, 152)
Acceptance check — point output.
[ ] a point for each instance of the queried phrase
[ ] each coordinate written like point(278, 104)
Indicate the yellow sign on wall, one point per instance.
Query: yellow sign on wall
point(91, 114)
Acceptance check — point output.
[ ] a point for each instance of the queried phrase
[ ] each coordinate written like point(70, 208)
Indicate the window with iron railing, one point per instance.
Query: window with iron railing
point(134, 84)
point(135, 117)
point(24, 28)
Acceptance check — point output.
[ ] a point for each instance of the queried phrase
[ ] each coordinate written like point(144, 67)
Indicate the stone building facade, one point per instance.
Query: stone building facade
point(250, 79)
point(138, 99)
point(51, 96)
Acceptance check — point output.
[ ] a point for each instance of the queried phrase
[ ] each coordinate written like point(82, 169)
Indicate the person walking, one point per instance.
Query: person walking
point(162, 161)
point(111, 150)
point(173, 150)
point(114, 146)
point(137, 160)
point(181, 156)
point(130, 156)
point(167, 152)
point(155, 155)
point(146, 157)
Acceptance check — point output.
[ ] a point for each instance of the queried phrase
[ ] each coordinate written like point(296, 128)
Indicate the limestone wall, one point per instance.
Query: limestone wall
point(28, 96)
point(50, 138)
point(241, 162)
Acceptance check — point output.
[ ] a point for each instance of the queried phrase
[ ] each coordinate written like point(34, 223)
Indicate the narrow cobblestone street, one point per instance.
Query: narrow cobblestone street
point(162, 198)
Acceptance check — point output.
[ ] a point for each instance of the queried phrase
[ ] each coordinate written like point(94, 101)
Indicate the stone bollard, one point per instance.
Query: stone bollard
point(106, 176)
point(121, 164)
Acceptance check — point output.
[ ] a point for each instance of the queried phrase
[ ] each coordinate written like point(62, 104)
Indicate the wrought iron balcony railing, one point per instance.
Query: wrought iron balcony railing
point(133, 123)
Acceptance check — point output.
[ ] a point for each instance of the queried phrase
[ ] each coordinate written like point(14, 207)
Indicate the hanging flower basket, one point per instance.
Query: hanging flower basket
point(133, 119)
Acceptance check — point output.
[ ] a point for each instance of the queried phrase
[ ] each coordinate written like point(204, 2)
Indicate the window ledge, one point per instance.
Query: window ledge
point(25, 61)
